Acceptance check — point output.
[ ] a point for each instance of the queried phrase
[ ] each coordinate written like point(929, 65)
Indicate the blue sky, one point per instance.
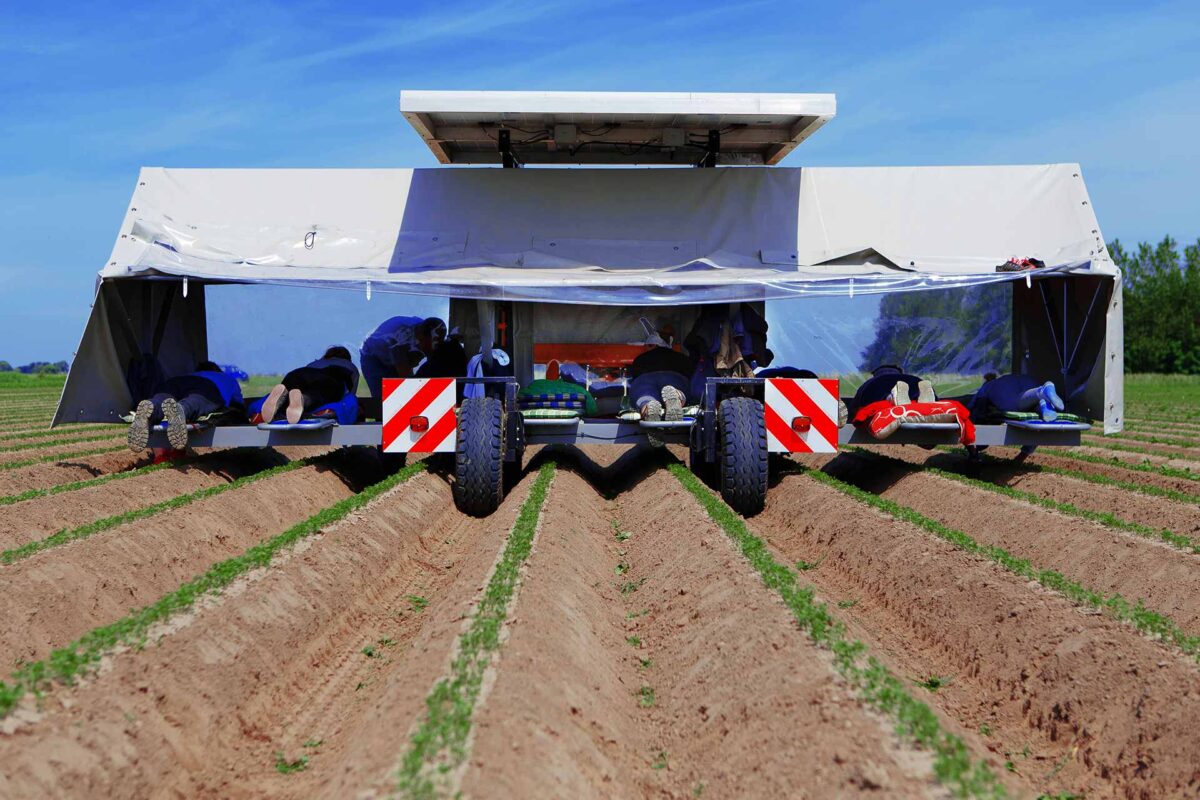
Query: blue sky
point(91, 92)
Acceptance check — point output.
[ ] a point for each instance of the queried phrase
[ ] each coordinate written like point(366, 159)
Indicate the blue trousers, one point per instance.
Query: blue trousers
point(648, 386)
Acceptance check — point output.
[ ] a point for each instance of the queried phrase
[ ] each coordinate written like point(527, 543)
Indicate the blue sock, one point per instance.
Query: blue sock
point(1051, 396)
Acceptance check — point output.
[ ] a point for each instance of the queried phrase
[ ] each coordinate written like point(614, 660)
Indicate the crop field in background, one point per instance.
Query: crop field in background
point(305, 623)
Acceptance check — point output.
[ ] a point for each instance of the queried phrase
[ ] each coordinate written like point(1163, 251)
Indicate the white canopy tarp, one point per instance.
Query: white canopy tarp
point(629, 236)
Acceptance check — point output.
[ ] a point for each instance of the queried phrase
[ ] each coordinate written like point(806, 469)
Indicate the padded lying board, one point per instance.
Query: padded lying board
point(302, 425)
point(1042, 425)
point(929, 426)
point(192, 427)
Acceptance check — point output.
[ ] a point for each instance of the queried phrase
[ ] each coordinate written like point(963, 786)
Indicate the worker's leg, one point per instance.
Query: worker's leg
point(373, 373)
point(196, 405)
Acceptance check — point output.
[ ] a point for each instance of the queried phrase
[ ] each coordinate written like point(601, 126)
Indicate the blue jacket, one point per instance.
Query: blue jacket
point(227, 385)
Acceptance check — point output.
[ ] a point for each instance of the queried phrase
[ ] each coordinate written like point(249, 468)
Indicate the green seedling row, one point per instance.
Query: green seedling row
point(57, 442)
point(29, 462)
point(1149, 438)
point(66, 664)
point(42, 433)
point(1169, 472)
point(439, 743)
point(952, 762)
point(33, 494)
point(1108, 444)
point(90, 529)
point(1104, 480)
point(1150, 623)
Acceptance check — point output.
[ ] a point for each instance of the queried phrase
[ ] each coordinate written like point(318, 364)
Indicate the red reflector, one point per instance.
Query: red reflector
point(801, 424)
point(419, 424)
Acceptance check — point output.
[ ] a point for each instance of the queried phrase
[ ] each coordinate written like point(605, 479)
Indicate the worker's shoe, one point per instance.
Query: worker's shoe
point(139, 431)
point(295, 409)
point(673, 402)
point(270, 406)
point(652, 411)
point(176, 424)
point(925, 392)
point(843, 413)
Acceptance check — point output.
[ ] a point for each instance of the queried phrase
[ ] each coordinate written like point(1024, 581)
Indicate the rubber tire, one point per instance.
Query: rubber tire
point(479, 456)
point(743, 460)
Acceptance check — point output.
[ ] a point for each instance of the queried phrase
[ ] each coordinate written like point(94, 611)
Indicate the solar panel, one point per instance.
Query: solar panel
point(674, 128)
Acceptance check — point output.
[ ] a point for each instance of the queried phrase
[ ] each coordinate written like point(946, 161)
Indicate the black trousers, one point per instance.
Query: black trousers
point(318, 387)
point(196, 395)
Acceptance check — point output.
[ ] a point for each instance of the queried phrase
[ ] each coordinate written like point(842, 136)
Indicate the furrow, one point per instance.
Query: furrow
point(1101, 709)
point(1110, 466)
point(56, 471)
point(59, 594)
point(1167, 580)
point(48, 511)
point(40, 455)
point(275, 661)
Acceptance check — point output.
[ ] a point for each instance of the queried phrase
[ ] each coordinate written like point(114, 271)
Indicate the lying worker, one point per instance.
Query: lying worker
point(181, 400)
point(319, 383)
point(660, 378)
point(1015, 393)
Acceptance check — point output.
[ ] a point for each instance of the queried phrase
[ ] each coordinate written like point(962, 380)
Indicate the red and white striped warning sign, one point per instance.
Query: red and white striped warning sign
point(418, 415)
point(801, 415)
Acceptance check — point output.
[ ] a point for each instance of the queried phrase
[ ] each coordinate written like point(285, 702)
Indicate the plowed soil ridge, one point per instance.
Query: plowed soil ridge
point(1101, 709)
point(1100, 558)
point(1144, 509)
point(55, 596)
point(276, 662)
point(723, 659)
point(39, 517)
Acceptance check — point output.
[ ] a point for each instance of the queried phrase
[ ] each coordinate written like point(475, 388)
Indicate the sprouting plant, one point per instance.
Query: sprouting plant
point(370, 652)
point(698, 789)
point(636, 614)
point(386, 642)
point(645, 663)
point(985, 729)
point(632, 586)
point(934, 682)
point(622, 567)
point(417, 602)
point(646, 697)
point(805, 566)
point(847, 603)
point(311, 743)
point(620, 535)
point(660, 761)
point(285, 767)
point(635, 641)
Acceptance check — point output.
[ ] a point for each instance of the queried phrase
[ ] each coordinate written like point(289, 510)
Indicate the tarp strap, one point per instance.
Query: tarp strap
point(1086, 319)
point(164, 314)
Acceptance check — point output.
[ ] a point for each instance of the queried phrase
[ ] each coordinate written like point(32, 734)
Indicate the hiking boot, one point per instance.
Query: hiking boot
point(843, 413)
point(139, 430)
point(295, 409)
point(271, 403)
point(673, 400)
point(652, 411)
point(177, 435)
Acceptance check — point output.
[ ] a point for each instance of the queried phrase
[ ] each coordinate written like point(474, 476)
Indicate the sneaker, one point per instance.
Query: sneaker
point(295, 409)
point(843, 413)
point(177, 435)
point(673, 400)
point(652, 411)
point(139, 430)
point(271, 402)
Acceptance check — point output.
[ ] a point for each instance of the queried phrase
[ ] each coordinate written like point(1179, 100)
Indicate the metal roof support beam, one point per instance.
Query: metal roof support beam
point(713, 150)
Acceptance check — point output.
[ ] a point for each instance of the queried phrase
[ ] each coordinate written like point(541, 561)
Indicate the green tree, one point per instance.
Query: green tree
point(1162, 306)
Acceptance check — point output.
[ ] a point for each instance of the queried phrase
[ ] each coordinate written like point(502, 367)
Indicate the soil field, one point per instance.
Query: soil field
point(896, 623)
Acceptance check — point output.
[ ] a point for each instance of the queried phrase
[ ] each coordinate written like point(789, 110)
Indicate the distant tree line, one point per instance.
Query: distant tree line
point(969, 331)
point(36, 368)
point(1161, 289)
